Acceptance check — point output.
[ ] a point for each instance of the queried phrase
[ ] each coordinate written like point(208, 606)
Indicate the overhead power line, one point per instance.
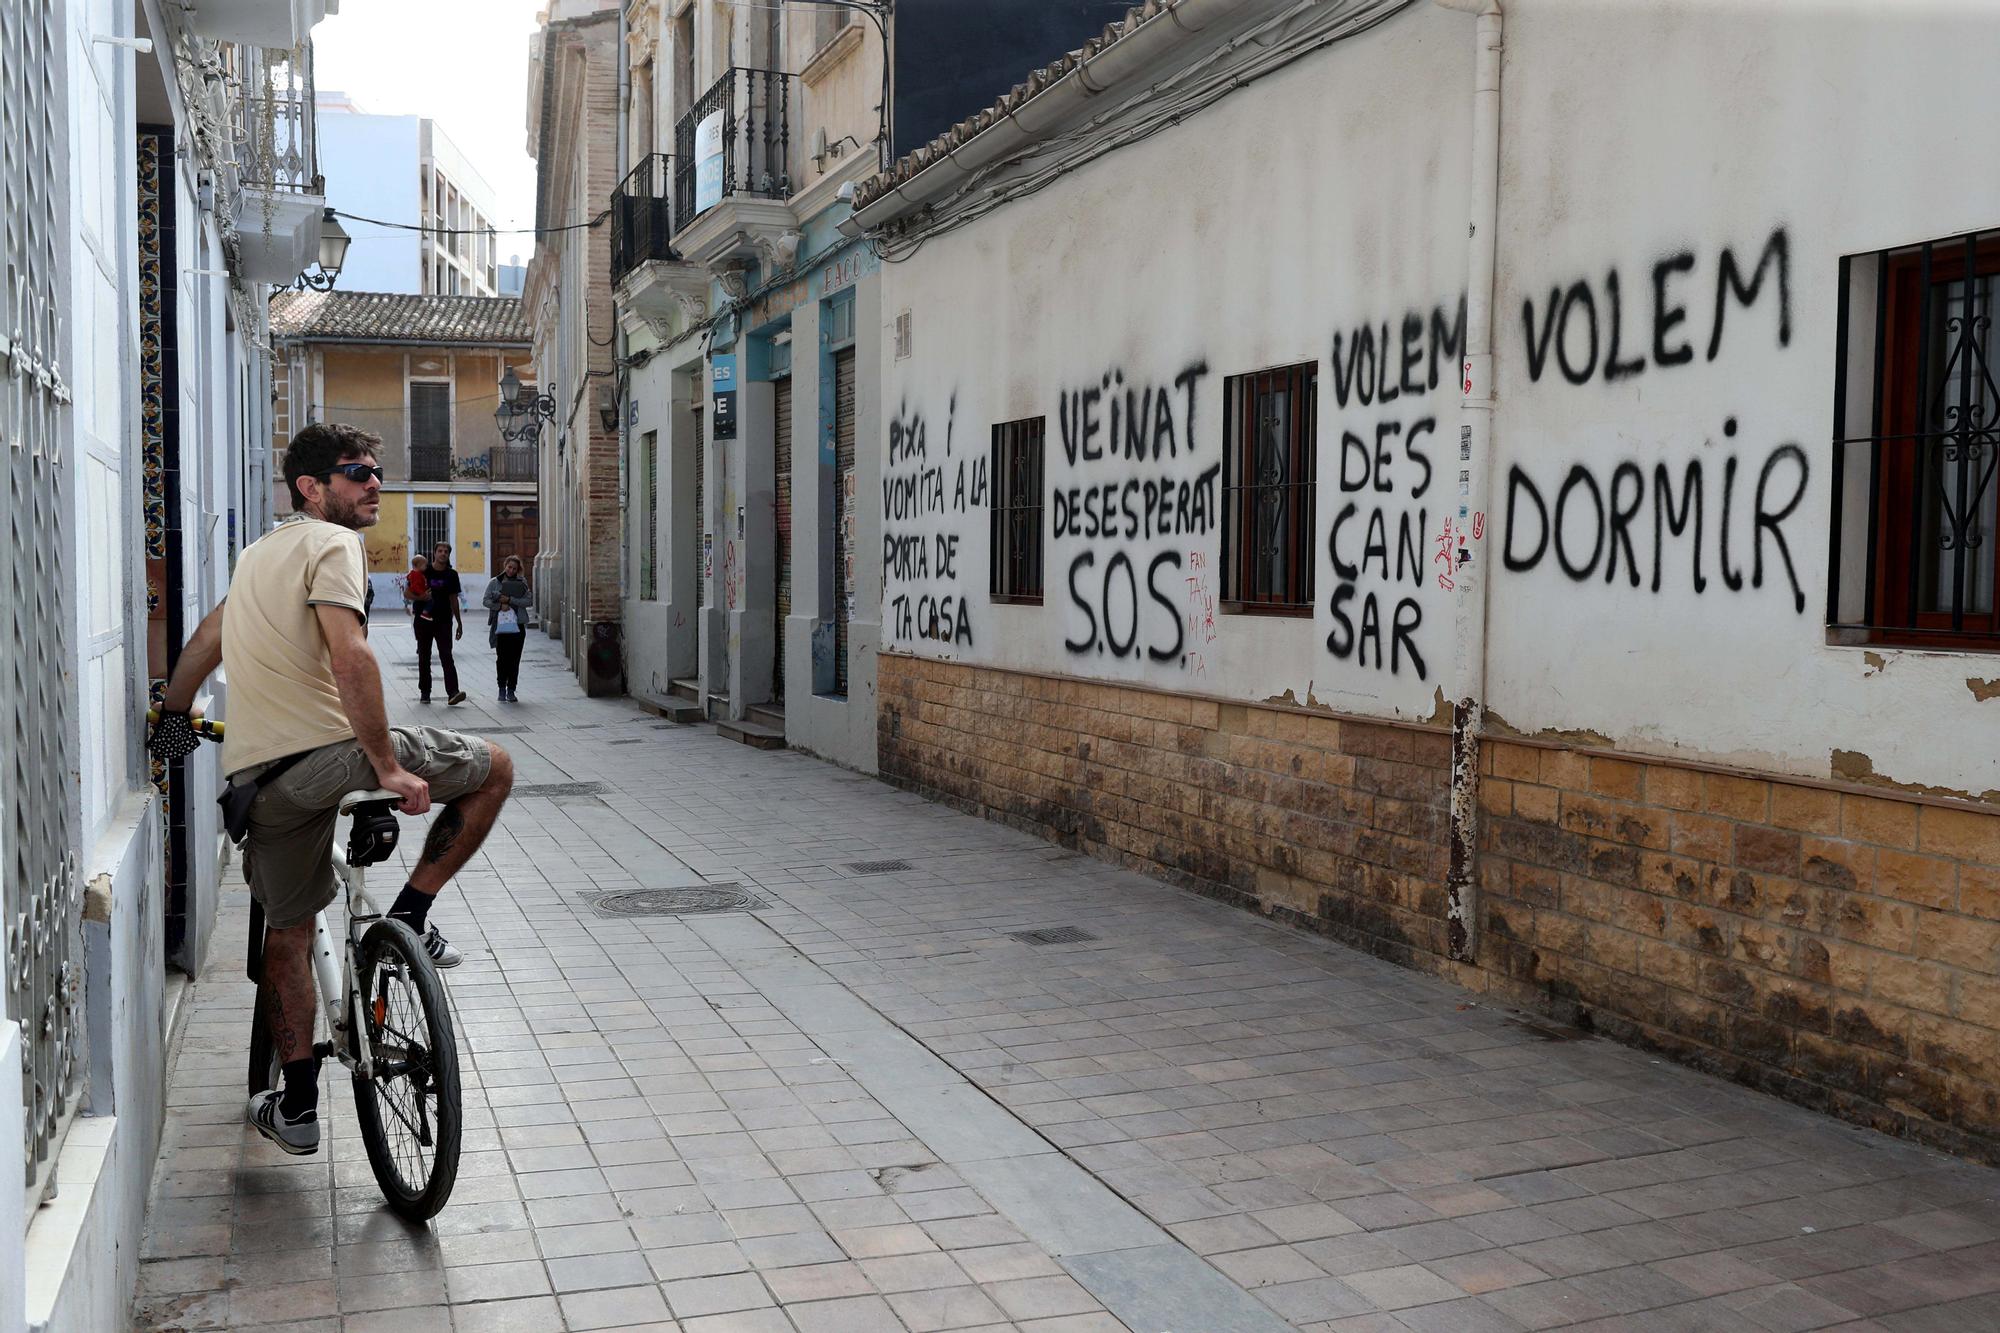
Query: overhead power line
point(473, 231)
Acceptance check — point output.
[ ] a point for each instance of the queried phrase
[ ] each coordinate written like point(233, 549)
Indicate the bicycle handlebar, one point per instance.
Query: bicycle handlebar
point(202, 726)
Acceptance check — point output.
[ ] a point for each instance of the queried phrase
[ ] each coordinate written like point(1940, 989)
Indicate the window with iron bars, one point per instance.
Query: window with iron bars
point(433, 525)
point(1916, 451)
point(1269, 462)
point(1017, 511)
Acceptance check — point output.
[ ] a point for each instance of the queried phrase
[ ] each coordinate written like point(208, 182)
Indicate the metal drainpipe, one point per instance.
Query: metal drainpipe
point(1475, 457)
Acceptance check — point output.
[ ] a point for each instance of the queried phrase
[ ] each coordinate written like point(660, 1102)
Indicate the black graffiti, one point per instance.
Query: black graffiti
point(1379, 368)
point(1370, 466)
point(1607, 514)
point(920, 555)
point(1113, 419)
point(1345, 641)
point(943, 618)
point(1411, 531)
point(1114, 610)
point(1138, 508)
point(1574, 328)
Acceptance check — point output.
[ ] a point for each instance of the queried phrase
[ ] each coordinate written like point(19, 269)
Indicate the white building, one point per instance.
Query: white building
point(406, 169)
point(152, 196)
point(1593, 602)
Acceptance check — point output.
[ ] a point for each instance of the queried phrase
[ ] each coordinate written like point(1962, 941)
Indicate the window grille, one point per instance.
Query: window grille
point(649, 588)
point(430, 430)
point(1268, 466)
point(1914, 556)
point(433, 525)
point(1016, 574)
point(40, 879)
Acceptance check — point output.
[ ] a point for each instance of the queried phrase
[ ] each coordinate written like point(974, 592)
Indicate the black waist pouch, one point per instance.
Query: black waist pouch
point(237, 797)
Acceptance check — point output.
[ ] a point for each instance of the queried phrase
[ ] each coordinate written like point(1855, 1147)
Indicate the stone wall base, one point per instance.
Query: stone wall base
point(1836, 946)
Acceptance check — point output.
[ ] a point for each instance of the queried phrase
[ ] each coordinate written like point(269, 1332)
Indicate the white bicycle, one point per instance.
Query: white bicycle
point(387, 1018)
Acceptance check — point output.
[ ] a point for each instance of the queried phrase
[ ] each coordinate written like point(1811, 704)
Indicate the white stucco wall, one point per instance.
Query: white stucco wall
point(1331, 198)
point(1637, 134)
point(1323, 202)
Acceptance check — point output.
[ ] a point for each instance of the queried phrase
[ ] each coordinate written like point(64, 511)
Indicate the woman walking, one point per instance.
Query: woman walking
point(506, 600)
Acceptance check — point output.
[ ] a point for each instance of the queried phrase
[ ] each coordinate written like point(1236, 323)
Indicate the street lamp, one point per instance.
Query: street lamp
point(521, 411)
point(333, 241)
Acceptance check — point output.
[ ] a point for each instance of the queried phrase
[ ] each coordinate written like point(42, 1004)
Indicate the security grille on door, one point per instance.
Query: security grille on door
point(433, 526)
point(40, 884)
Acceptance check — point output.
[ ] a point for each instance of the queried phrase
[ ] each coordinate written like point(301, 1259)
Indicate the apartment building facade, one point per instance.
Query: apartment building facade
point(160, 173)
point(754, 339)
point(425, 373)
point(403, 168)
point(1591, 604)
point(573, 137)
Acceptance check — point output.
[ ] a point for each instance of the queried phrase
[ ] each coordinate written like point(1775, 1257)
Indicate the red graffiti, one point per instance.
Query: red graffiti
point(1478, 527)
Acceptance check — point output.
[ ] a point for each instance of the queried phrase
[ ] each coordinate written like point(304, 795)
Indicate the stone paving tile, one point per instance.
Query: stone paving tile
point(651, 1141)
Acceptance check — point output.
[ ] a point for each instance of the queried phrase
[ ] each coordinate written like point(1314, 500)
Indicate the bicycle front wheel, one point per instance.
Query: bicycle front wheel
point(409, 1111)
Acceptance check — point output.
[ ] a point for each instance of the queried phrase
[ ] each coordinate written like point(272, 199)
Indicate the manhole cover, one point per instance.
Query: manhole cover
point(878, 867)
point(1053, 935)
point(674, 902)
point(553, 789)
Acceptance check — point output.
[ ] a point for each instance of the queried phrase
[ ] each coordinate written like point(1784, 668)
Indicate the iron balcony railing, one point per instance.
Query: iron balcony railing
point(1915, 550)
point(516, 462)
point(735, 140)
point(642, 215)
point(430, 462)
point(275, 120)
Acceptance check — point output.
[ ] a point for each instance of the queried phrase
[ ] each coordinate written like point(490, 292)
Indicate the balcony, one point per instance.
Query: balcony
point(430, 462)
point(276, 24)
point(279, 197)
point(733, 170)
point(642, 216)
point(651, 282)
point(516, 462)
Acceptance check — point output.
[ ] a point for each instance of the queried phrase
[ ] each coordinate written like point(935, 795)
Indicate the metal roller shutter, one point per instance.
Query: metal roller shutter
point(781, 447)
point(843, 517)
point(696, 528)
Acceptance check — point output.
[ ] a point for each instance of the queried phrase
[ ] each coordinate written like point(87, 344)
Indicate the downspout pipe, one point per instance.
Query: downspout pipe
point(1476, 403)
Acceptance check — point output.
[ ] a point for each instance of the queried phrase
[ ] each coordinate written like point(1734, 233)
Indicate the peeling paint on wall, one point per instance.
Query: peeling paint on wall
point(1982, 690)
point(1855, 766)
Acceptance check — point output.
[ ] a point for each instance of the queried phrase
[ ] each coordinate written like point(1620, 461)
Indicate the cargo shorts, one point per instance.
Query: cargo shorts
point(288, 855)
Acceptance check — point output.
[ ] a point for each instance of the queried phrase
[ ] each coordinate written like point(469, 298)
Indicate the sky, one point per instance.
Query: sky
point(463, 63)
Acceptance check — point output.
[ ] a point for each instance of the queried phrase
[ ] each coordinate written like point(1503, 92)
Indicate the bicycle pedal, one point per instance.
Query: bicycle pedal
point(323, 1050)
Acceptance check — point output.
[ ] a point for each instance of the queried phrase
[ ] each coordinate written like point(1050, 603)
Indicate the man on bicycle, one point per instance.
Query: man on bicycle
point(306, 717)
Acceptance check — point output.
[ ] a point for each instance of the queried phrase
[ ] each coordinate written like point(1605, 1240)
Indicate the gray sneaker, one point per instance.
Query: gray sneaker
point(298, 1137)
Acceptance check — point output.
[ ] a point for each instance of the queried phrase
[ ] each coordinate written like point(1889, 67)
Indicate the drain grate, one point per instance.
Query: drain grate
point(878, 867)
point(555, 789)
point(1053, 935)
point(674, 902)
point(630, 740)
point(496, 731)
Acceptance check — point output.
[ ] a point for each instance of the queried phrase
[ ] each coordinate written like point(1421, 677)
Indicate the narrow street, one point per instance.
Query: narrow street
point(864, 1104)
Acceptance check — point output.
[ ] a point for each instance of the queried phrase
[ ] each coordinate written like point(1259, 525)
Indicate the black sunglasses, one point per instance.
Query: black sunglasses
point(358, 473)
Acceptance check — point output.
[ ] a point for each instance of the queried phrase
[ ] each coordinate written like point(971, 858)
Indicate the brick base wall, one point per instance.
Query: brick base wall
point(1836, 947)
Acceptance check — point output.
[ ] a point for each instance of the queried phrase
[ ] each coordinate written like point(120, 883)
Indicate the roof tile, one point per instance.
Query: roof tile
point(339, 316)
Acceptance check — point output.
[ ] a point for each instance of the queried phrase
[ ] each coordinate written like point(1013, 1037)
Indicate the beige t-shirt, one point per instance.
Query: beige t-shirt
point(282, 694)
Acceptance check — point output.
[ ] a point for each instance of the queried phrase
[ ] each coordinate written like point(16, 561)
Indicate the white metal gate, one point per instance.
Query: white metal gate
point(40, 884)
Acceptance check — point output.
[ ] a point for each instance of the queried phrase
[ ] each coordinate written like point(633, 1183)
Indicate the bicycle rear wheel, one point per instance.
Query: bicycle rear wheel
point(409, 1111)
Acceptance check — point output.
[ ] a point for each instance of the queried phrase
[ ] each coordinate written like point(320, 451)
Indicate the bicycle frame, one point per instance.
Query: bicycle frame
point(336, 979)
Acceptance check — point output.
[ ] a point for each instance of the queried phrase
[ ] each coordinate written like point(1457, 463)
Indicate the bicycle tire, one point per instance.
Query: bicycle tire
point(432, 1071)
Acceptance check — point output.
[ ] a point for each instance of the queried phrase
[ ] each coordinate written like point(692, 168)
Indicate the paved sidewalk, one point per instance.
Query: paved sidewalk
point(868, 1106)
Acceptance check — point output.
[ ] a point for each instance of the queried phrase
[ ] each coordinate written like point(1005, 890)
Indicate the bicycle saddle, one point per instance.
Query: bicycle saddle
point(375, 832)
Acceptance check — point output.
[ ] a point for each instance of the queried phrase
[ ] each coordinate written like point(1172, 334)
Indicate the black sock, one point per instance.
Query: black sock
point(412, 906)
point(301, 1088)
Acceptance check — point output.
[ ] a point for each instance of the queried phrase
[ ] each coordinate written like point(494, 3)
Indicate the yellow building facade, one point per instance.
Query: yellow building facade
point(423, 373)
